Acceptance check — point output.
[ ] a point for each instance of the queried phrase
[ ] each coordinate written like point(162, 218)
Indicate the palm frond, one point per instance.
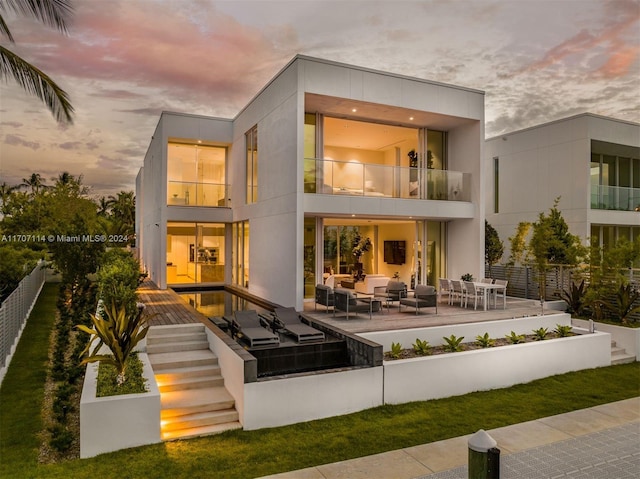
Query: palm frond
point(4, 29)
point(37, 83)
point(54, 13)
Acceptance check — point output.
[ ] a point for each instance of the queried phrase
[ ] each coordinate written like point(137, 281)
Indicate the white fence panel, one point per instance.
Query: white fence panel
point(14, 312)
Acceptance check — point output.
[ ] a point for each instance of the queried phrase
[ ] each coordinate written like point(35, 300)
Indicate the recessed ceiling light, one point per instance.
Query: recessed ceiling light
point(354, 110)
point(353, 216)
point(411, 118)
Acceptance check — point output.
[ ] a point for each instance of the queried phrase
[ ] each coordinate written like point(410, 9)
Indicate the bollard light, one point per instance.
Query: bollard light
point(484, 456)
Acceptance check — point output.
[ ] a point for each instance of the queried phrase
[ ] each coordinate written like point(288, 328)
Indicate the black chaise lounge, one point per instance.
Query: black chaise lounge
point(249, 326)
point(289, 320)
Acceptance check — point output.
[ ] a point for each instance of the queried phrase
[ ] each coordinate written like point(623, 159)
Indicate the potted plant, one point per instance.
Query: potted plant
point(467, 277)
point(360, 246)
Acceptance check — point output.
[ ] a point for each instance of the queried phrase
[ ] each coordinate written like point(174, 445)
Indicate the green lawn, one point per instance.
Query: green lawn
point(240, 454)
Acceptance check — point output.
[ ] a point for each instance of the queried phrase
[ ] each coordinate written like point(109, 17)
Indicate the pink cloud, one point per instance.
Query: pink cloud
point(201, 50)
point(620, 52)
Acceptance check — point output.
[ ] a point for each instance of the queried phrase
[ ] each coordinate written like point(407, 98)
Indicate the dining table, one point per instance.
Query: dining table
point(486, 288)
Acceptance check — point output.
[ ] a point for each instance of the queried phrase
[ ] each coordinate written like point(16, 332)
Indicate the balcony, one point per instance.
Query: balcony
point(184, 193)
point(330, 177)
point(615, 198)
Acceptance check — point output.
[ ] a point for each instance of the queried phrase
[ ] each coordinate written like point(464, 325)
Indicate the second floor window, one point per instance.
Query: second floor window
point(252, 165)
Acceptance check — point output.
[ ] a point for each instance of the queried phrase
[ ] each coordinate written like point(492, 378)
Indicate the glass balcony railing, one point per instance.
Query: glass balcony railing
point(615, 198)
point(185, 193)
point(332, 177)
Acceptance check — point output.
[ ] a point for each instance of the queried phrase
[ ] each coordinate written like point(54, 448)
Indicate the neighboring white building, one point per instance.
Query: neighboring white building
point(591, 162)
point(271, 199)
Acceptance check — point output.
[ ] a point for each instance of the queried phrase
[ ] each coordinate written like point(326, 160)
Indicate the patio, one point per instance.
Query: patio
point(391, 319)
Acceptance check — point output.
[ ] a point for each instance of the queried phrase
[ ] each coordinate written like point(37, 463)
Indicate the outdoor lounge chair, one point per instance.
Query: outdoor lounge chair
point(324, 296)
point(344, 300)
point(249, 326)
point(424, 296)
point(289, 320)
point(393, 291)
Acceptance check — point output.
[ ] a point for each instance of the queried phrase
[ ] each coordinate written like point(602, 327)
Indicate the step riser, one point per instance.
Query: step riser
point(187, 363)
point(626, 360)
point(178, 338)
point(176, 347)
point(200, 432)
point(167, 414)
point(185, 423)
point(204, 383)
point(177, 375)
point(178, 329)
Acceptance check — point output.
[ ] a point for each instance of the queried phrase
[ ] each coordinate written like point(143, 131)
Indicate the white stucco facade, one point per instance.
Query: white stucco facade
point(276, 220)
point(553, 160)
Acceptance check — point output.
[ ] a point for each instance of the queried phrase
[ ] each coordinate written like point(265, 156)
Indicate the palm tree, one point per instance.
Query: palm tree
point(34, 182)
point(53, 13)
point(5, 194)
point(123, 212)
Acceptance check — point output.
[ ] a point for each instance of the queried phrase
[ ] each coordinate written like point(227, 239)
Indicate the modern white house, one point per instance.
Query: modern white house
point(591, 162)
point(272, 199)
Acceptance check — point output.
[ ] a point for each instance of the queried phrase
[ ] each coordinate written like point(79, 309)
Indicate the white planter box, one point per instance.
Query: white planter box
point(117, 422)
point(453, 374)
point(496, 329)
point(626, 338)
point(307, 397)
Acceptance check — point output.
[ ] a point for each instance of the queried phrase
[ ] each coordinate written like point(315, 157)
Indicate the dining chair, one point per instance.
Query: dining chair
point(472, 292)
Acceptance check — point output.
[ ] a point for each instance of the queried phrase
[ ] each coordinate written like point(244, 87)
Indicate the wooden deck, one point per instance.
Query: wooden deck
point(166, 306)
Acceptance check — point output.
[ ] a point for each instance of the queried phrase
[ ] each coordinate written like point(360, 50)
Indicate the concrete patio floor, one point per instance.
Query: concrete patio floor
point(390, 319)
point(598, 442)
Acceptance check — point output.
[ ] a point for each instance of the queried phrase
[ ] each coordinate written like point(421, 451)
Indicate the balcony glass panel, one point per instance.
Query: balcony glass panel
point(184, 193)
point(374, 180)
point(615, 198)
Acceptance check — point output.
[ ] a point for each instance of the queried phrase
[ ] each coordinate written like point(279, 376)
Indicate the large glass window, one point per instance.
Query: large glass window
point(615, 176)
point(412, 250)
point(196, 175)
point(240, 254)
point(309, 257)
point(252, 165)
point(195, 252)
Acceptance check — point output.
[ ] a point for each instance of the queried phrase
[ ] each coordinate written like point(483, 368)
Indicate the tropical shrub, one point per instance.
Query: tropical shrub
point(515, 338)
point(485, 341)
point(422, 348)
point(575, 298)
point(563, 331)
point(396, 350)
point(541, 334)
point(623, 305)
point(120, 332)
point(453, 343)
point(118, 279)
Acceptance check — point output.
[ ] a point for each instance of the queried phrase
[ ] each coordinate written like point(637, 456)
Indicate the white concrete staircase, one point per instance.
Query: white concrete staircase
point(194, 401)
point(619, 355)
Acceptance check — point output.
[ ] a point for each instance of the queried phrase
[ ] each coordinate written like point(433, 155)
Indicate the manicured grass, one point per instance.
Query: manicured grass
point(240, 454)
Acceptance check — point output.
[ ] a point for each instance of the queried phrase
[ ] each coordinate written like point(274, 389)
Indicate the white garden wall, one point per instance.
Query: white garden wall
point(117, 422)
point(627, 338)
point(283, 401)
point(496, 329)
point(453, 374)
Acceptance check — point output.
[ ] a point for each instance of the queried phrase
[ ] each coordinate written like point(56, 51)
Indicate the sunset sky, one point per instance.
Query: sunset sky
point(125, 61)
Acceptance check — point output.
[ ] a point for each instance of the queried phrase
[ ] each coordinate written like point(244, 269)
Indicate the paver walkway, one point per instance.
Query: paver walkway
point(601, 442)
